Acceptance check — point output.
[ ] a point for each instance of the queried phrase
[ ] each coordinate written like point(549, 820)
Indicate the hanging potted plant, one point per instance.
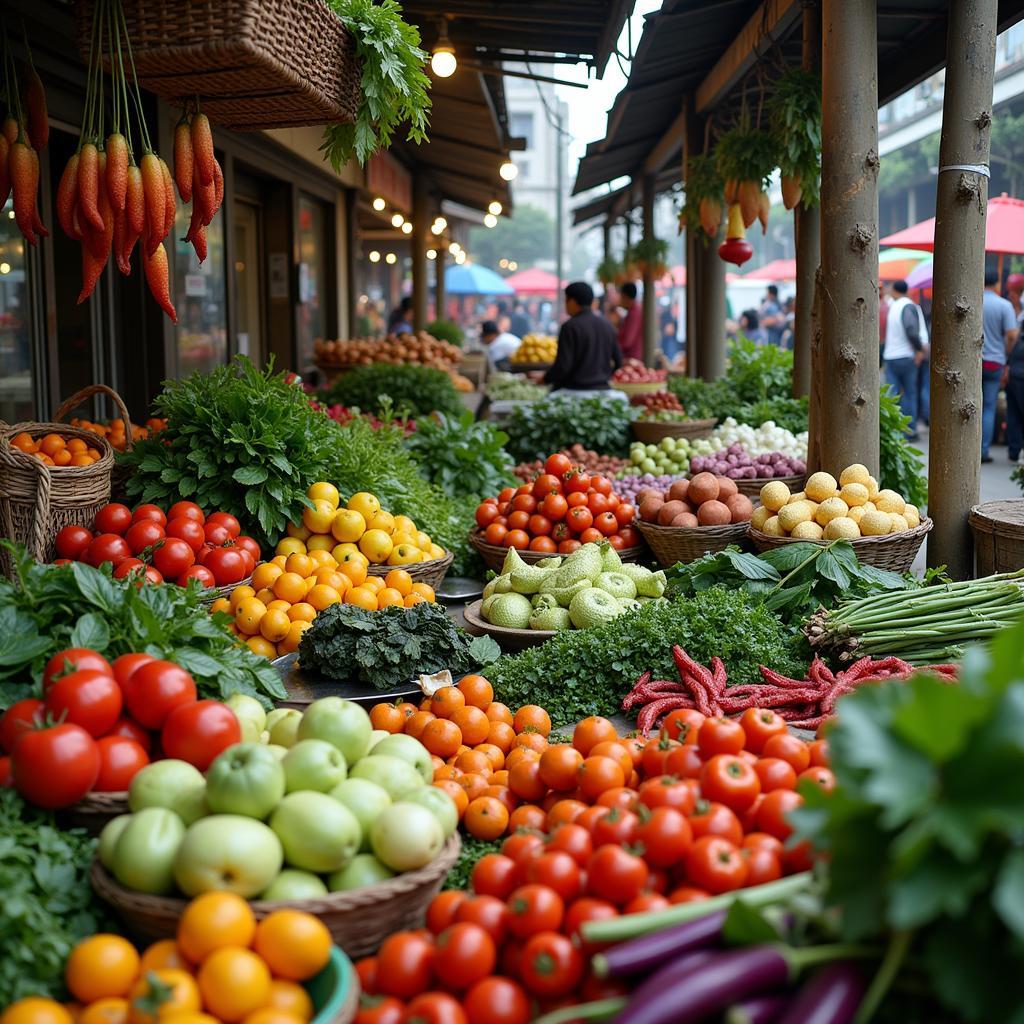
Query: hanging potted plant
point(651, 256)
point(628, 269)
point(745, 158)
point(795, 112)
point(608, 270)
point(703, 208)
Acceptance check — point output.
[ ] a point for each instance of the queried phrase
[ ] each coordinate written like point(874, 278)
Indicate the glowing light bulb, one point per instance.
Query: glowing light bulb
point(495, 207)
point(375, 256)
point(379, 204)
point(391, 259)
point(431, 254)
point(508, 171)
point(442, 61)
point(490, 221)
point(397, 220)
point(406, 228)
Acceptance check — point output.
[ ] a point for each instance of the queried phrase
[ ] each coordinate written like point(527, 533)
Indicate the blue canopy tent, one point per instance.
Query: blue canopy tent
point(472, 279)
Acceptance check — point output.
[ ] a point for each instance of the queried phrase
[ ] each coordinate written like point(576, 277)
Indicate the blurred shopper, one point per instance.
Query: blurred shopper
point(499, 345)
point(750, 327)
point(906, 344)
point(770, 315)
point(1001, 331)
point(588, 351)
point(631, 330)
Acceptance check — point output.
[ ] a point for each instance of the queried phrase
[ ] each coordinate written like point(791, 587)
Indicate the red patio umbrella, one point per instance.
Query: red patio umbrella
point(777, 270)
point(534, 281)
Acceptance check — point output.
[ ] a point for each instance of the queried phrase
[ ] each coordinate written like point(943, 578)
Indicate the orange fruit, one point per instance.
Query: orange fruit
point(532, 717)
point(417, 722)
point(473, 723)
point(101, 966)
point(222, 604)
point(400, 580)
point(322, 596)
point(212, 921)
point(163, 953)
point(329, 576)
point(294, 944)
point(264, 648)
point(592, 731)
point(527, 816)
point(389, 597)
point(279, 561)
point(374, 583)
point(81, 460)
point(473, 784)
point(596, 774)
point(355, 570)
point(498, 712)
point(62, 457)
point(387, 717)
point(486, 817)
point(184, 996)
point(456, 792)
point(441, 737)
point(559, 765)
point(424, 590)
point(291, 998)
point(36, 1010)
point(524, 779)
point(477, 691)
point(51, 444)
point(239, 594)
point(248, 615)
point(502, 735)
point(265, 574)
point(493, 754)
point(361, 598)
point(415, 599)
point(291, 642)
point(75, 445)
point(517, 754)
point(446, 701)
point(274, 625)
point(289, 586)
point(531, 740)
point(267, 597)
point(25, 442)
point(112, 1010)
point(272, 1015)
point(233, 982)
point(320, 557)
point(277, 605)
point(474, 761)
point(301, 612)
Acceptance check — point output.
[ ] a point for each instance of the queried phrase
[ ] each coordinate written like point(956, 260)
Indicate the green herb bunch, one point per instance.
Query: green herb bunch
point(407, 390)
point(900, 466)
point(238, 439)
point(463, 456)
point(394, 86)
point(447, 330)
point(702, 182)
point(389, 647)
point(47, 608)
point(744, 153)
point(48, 904)
point(472, 850)
point(795, 109)
point(535, 431)
point(924, 831)
point(588, 671)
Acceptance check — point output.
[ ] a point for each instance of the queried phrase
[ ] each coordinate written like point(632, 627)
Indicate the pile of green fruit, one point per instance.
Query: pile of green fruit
point(669, 457)
point(506, 387)
point(590, 587)
point(314, 802)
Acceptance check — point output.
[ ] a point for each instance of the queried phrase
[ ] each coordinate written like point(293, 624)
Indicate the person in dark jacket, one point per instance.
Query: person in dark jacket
point(588, 350)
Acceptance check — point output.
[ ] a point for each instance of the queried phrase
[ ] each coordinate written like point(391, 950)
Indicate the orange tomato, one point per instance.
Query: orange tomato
point(387, 717)
point(163, 953)
point(474, 761)
point(101, 966)
point(561, 812)
point(597, 773)
point(528, 816)
point(494, 755)
point(417, 722)
point(184, 996)
point(473, 724)
point(212, 921)
point(456, 792)
point(400, 580)
point(446, 700)
point(112, 1010)
point(441, 737)
point(532, 741)
point(486, 818)
point(531, 717)
point(294, 944)
point(591, 731)
point(446, 771)
point(559, 765)
point(291, 998)
point(478, 691)
point(233, 982)
point(524, 779)
point(498, 712)
point(517, 754)
point(502, 735)
point(473, 784)
point(618, 752)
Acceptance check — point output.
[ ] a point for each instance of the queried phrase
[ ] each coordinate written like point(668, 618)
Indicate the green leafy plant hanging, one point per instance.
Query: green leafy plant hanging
point(394, 85)
point(745, 154)
point(608, 270)
point(705, 194)
point(652, 254)
point(795, 112)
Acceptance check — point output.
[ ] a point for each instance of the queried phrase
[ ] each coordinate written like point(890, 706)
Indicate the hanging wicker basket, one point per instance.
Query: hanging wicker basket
point(252, 63)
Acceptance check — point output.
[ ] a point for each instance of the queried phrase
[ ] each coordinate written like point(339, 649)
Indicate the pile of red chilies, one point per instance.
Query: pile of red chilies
point(803, 703)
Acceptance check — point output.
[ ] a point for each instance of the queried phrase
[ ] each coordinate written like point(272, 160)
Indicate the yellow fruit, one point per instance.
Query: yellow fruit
point(347, 526)
point(436, 551)
point(899, 522)
point(339, 551)
point(222, 604)
point(405, 524)
point(35, 1010)
point(266, 595)
point(361, 598)
point(289, 546)
point(375, 584)
point(264, 648)
point(274, 625)
point(212, 921)
point(277, 605)
point(842, 528)
point(298, 531)
point(760, 517)
point(264, 575)
point(301, 564)
point(376, 545)
point(890, 501)
point(400, 580)
point(302, 612)
point(289, 587)
point(366, 504)
point(321, 597)
point(290, 643)
point(233, 982)
point(291, 998)
point(100, 967)
point(295, 945)
point(249, 614)
point(239, 594)
point(829, 509)
point(322, 542)
point(912, 516)
point(310, 582)
point(324, 490)
point(318, 518)
point(855, 474)
point(423, 540)
point(425, 590)
point(857, 513)
point(382, 521)
point(820, 486)
point(799, 496)
point(791, 515)
point(280, 561)
point(875, 524)
point(400, 537)
point(774, 495)
point(854, 494)
point(807, 531)
point(405, 554)
point(772, 526)
point(872, 486)
point(323, 559)
point(870, 507)
point(388, 597)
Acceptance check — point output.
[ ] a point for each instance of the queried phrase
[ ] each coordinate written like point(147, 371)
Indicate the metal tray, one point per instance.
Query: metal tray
point(305, 687)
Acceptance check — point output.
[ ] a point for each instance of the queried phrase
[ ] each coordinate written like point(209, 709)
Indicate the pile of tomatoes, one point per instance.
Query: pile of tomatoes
point(703, 811)
point(98, 724)
point(222, 966)
point(560, 510)
point(179, 545)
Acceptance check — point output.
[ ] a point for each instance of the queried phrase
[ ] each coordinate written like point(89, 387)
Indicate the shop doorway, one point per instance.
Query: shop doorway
point(249, 284)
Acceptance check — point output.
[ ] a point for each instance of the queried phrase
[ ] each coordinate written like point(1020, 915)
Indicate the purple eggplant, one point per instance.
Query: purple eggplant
point(708, 988)
point(832, 996)
point(757, 1010)
point(647, 953)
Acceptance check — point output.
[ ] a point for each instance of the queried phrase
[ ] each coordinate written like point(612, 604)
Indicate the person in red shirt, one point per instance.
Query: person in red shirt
point(631, 330)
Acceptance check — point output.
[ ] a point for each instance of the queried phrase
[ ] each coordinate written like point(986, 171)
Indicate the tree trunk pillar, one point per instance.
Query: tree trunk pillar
point(419, 238)
point(849, 235)
point(711, 316)
point(954, 445)
point(651, 326)
point(693, 139)
point(440, 298)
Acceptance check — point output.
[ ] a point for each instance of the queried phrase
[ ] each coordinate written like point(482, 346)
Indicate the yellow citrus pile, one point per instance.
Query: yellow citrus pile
point(223, 966)
point(536, 348)
point(827, 509)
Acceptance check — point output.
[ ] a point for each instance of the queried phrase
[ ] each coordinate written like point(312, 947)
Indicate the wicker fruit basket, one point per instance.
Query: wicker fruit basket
point(652, 431)
point(894, 551)
point(752, 488)
point(358, 920)
point(251, 64)
point(639, 387)
point(494, 555)
point(211, 594)
point(998, 528)
point(432, 573)
point(672, 544)
point(94, 810)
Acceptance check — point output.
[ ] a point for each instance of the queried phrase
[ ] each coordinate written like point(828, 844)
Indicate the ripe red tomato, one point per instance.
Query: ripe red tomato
point(107, 547)
point(125, 666)
point(607, 523)
point(441, 911)
point(721, 736)
point(524, 503)
point(188, 530)
point(666, 835)
point(72, 542)
point(434, 1008)
point(6, 773)
point(227, 566)
point(227, 520)
point(506, 495)
point(196, 572)
point(534, 908)
point(775, 773)
point(598, 503)
point(156, 689)
point(567, 547)
point(142, 534)
point(819, 754)
point(518, 520)
point(489, 912)
point(86, 698)
point(616, 875)
point(576, 481)
point(173, 557)
point(763, 865)
point(579, 518)
point(592, 535)
point(683, 724)
point(584, 910)
point(216, 534)
point(113, 518)
point(625, 513)
point(494, 874)
point(186, 510)
point(791, 749)
point(546, 484)
point(630, 536)
point(539, 526)
point(558, 465)
point(120, 759)
point(377, 1009)
point(554, 506)
point(574, 840)
point(617, 825)
point(134, 567)
point(716, 865)
point(771, 815)
point(518, 539)
point(550, 965)
point(149, 513)
point(70, 660)
point(576, 499)
point(558, 871)
point(56, 766)
point(17, 719)
point(497, 1001)
point(684, 761)
point(198, 731)
point(655, 754)
point(245, 543)
point(465, 955)
point(730, 781)
point(405, 964)
point(820, 777)
point(485, 514)
point(759, 725)
point(713, 819)
point(133, 731)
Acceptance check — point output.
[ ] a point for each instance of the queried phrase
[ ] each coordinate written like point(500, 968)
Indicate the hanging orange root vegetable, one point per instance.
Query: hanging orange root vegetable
point(37, 120)
point(732, 187)
point(135, 201)
point(747, 198)
point(710, 211)
point(202, 147)
point(10, 130)
point(88, 185)
point(98, 241)
point(96, 246)
point(156, 201)
point(199, 243)
point(120, 240)
point(24, 183)
point(5, 174)
point(117, 170)
point(764, 208)
point(37, 221)
point(183, 160)
point(792, 191)
point(67, 196)
point(735, 249)
point(170, 204)
point(158, 280)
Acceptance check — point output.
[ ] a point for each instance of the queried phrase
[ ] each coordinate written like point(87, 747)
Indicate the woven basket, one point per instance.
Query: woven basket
point(37, 501)
point(752, 488)
point(252, 63)
point(998, 528)
point(639, 387)
point(93, 811)
point(672, 544)
point(358, 920)
point(895, 551)
point(211, 594)
point(432, 573)
point(507, 639)
point(652, 431)
point(494, 555)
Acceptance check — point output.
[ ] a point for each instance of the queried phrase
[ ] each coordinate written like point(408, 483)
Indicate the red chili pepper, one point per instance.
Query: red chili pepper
point(183, 160)
point(202, 147)
point(652, 712)
point(199, 243)
point(157, 277)
point(120, 237)
point(156, 201)
point(38, 123)
point(67, 196)
point(5, 174)
point(10, 130)
point(24, 183)
point(218, 187)
point(88, 185)
point(170, 204)
point(135, 201)
point(92, 268)
point(117, 170)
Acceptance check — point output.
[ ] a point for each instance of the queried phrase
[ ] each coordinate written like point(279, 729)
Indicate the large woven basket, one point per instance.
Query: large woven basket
point(93, 811)
point(37, 501)
point(210, 594)
point(358, 920)
point(752, 488)
point(251, 63)
point(672, 544)
point(895, 551)
point(652, 431)
point(639, 387)
point(432, 573)
point(998, 528)
point(494, 555)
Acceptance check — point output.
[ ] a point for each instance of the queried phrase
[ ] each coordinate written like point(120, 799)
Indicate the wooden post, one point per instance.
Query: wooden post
point(849, 235)
point(954, 444)
point(440, 300)
point(420, 241)
point(817, 385)
point(711, 318)
point(807, 229)
point(693, 141)
point(652, 329)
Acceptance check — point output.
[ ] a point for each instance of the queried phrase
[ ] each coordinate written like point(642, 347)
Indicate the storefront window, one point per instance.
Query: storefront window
point(15, 346)
point(200, 297)
point(312, 315)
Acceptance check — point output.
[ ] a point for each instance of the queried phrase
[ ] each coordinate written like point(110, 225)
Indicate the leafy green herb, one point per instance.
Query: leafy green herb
point(900, 466)
point(394, 87)
point(389, 647)
point(238, 439)
point(744, 153)
point(535, 431)
point(407, 390)
point(702, 182)
point(795, 108)
point(447, 330)
point(48, 904)
point(463, 456)
point(49, 607)
point(588, 671)
point(472, 850)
